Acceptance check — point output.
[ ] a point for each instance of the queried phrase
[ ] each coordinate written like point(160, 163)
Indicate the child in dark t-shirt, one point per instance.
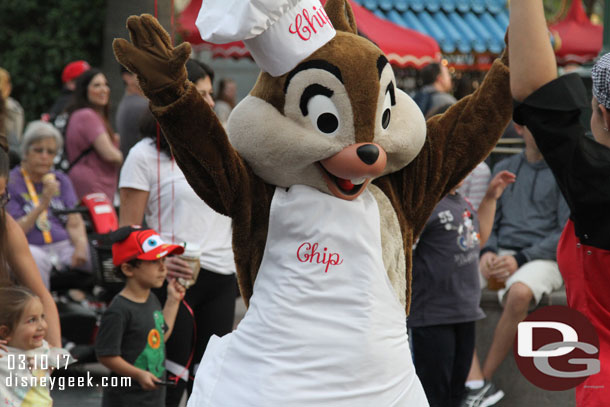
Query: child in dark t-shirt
point(446, 292)
point(133, 331)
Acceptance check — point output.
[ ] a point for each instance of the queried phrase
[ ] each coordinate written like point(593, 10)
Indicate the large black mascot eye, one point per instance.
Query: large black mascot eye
point(385, 120)
point(327, 123)
point(323, 114)
point(387, 111)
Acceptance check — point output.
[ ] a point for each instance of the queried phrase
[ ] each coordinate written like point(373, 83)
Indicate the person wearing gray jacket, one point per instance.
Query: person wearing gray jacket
point(530, 214)
point(520, 254)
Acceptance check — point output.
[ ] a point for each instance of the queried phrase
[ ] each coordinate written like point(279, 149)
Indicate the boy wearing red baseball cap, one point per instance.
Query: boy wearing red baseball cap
point(133, 330)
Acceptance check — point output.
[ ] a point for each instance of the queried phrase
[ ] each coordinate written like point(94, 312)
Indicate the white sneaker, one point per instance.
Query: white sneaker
point(486, 396)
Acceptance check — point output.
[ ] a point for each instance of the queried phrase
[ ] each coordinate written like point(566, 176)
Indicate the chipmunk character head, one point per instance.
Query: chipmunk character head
point(335, 122)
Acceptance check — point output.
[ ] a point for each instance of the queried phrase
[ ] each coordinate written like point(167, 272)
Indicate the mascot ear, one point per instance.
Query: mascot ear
point(341, 15)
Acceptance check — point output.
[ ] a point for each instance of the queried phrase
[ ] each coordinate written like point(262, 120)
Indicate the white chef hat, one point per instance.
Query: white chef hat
point(278, 33)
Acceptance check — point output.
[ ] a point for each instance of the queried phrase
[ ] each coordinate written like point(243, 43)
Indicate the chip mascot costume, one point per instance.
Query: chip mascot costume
point(329, 173)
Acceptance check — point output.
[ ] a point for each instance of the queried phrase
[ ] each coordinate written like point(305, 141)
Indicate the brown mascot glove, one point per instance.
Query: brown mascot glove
point(150, 55)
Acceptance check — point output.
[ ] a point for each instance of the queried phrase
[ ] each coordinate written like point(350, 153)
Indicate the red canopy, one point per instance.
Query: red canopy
point(402, 46)
point(577, 40)
point(190, 33)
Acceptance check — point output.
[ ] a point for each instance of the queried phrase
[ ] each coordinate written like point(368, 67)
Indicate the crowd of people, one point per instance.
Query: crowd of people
point(538, 220)
point(516, 258)
point(74, 151)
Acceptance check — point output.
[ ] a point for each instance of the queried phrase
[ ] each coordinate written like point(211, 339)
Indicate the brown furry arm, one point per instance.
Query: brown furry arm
point(455, 143)
point(202, 150)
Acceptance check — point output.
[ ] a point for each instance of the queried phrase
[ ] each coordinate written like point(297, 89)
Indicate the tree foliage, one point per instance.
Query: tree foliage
point(551, 7)
point(39, 37)
point(594, 6)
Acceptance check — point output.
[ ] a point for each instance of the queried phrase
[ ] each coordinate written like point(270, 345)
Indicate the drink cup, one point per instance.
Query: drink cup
point(191, 256)
point(494, 285)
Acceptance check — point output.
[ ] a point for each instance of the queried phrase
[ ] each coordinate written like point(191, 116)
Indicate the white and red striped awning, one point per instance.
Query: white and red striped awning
point(402, 46)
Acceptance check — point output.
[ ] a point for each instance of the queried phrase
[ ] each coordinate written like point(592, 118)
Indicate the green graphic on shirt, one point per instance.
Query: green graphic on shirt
point(152, 357)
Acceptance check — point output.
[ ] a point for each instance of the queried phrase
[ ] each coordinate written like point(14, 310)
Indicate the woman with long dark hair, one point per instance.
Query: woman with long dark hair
point(91, 143)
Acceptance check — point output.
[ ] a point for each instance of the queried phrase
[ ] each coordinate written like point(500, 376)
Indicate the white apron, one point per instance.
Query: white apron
point(324, 327)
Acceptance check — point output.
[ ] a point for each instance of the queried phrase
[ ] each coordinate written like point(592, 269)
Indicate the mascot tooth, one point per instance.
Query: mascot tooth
point(329, 173)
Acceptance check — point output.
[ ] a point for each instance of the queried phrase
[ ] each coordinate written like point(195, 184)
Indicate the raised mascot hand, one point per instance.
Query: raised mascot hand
point(159, 66)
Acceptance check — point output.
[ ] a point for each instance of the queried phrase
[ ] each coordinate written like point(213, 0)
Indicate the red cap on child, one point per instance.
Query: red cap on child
point(142, 244)
point(73, 70)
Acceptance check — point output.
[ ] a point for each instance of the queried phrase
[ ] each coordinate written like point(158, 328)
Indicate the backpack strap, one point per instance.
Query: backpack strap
point(63, 128)
point(80, 157)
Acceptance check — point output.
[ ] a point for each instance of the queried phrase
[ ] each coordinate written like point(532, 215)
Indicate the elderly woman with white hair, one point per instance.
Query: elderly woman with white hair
point(36, 189)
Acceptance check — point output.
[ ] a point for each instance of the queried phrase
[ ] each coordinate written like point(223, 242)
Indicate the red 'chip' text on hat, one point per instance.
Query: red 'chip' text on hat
point(278, 33)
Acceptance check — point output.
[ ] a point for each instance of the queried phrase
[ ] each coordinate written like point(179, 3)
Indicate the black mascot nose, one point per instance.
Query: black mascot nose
point(368, 153)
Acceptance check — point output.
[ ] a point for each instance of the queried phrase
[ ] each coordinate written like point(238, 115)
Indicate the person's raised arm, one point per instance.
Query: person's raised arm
point(175, 294)
point(22, 264)
point(532, 61)
point(487, 208)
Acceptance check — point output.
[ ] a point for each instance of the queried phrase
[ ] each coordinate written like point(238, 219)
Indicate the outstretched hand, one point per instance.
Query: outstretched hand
point(151, 55)
point(499, 183)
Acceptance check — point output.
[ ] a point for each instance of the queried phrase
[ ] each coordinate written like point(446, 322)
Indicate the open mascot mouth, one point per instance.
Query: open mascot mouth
point(341, 187)
point(348, 172)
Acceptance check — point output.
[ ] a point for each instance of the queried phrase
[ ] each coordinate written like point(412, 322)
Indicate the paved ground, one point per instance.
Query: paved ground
point(79, 396)
point(91, 396)
point(519, 391)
